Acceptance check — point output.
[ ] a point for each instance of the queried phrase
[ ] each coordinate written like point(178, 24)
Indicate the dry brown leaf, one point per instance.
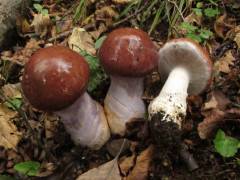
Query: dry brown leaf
point(224, 63)
point(218, 100)
point(22, 55)
point(222, 25)
point(122, 1)
point(210, 123)
point(193, 18)
point(81, 40)
point(96, 34)
point(41, 24)
point(214, 118)
point(127, 164)
point(23, 26)
point(50, 123)
point(237, 36)
point(9, 135)
point(141, 168)
point(107, 171)
point(106, 14)
point(12, 90)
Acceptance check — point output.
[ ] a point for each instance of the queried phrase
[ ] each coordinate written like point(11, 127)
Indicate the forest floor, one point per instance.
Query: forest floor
point(35, 145)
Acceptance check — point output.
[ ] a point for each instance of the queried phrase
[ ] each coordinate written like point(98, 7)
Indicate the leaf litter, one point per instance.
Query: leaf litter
point(49, 144)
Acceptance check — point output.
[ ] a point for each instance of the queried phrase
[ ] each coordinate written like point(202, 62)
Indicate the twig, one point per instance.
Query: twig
point(61, 35)
point(188, 158)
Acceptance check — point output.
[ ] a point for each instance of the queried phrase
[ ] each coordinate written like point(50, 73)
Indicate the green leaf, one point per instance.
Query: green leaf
point(194, 37)
point(99, 42)
point(225, 145)
point(97, 74)
point(210, 12)
point(44, 12)
point(205, 34)
point(29, 168)
point(14, 103)
point(5, 177)
point(197, 11)
point(199, 5)
point(187, 26)
point(38, 7)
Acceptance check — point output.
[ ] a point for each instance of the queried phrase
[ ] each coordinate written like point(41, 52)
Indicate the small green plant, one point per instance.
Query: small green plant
point(97, 74)
point(39, 8)
point(14, 103)
point(225, 145)
point(207, 10)
point(29, 168)
point(198, 34)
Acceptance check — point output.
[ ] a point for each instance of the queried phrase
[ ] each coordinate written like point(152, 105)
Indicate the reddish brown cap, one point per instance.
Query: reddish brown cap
point(188, 54)
point(54, 78)
point(128, 52)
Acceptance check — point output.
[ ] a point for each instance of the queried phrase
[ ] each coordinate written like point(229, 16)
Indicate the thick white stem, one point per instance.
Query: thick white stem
point(85, 121)
point(171, 102)
point(124, 102)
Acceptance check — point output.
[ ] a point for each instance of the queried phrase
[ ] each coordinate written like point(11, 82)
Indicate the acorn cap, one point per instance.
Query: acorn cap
point(54, 78)
point(128, 52)
point(188, 54)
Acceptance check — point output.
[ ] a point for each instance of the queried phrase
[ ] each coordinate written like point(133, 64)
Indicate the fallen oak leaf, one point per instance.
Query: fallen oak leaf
point(81, 40)
point(217, 117)
point(107, 171)
point(237, 36)
point(224, 63)
point(41, 24)
point(126, 164)
point(141, 168)
point(218, 100)
point(222, 25)
point(12, 90)
point(214, 112)
point(210, 123)
point(9, 135)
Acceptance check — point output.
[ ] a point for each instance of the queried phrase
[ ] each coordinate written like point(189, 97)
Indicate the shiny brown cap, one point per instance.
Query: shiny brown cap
point(190, 55)
point(54, 78)
point(128, 52)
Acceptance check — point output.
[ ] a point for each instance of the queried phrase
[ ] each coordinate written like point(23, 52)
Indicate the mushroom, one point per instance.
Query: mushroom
point(127, 55)
point(55, 79)
point(186, 67)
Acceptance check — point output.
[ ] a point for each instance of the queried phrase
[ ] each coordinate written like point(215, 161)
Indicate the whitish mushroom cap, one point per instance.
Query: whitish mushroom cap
point(189, 55)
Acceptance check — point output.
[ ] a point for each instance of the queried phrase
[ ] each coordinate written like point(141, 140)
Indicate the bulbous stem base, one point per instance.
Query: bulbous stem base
point(124, 102)
point(85, 121)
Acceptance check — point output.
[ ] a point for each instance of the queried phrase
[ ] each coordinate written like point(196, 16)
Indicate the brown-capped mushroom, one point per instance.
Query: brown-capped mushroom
point(55, 79)
point(127, 55)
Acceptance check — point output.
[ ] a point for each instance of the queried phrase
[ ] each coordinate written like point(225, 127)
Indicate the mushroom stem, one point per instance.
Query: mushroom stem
point(85, 121)
point(123, 102)
point(171, 102)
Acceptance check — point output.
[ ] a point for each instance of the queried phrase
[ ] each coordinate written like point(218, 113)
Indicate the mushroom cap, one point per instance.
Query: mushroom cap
point(54, 78)
point(128, 52)
point(186, 53)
